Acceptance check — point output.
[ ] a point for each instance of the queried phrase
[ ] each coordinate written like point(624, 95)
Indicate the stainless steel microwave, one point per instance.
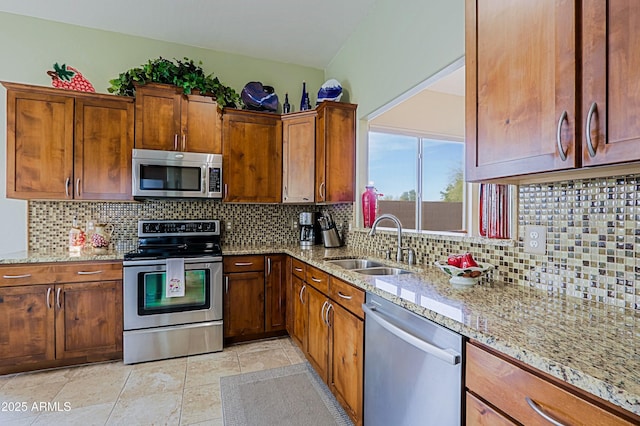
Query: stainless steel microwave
point(171, 174)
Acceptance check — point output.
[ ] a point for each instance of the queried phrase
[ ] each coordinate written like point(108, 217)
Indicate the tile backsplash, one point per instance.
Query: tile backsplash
point(252, 224)
point(593, 240)
point(593, 234)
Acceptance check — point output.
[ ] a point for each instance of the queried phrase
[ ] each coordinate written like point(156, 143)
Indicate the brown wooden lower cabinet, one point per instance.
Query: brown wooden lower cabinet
point(328, 326)
point(318, 333)
point(243, 304)
point(346, 352)
point(254, 297)
point(299, 312)
point(50, 325)
point(276, 287)
point(505, 390)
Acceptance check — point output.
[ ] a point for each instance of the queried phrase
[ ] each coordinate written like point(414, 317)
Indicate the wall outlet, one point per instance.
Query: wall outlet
point(228, 225)
point(294, 224)
point(535, 239)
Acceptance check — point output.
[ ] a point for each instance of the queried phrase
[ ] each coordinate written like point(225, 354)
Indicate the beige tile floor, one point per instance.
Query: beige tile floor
point(181, 391)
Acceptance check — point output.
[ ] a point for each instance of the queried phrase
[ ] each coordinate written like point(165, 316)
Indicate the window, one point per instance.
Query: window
point(420, 180)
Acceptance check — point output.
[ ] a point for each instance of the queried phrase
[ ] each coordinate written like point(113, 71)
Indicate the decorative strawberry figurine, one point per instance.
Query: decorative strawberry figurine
point(65, 77)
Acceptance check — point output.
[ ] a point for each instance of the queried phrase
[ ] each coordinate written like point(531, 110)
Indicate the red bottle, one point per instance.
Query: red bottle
point(369, 205)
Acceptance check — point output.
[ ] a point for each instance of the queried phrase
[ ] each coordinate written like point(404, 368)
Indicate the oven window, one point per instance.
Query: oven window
point(170, 178)
point(151, 293)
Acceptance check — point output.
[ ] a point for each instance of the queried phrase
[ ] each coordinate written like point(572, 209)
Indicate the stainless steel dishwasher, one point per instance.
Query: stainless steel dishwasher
point(412, 368)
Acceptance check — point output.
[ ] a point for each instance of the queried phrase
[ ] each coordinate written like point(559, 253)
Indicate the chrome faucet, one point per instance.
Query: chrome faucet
point(398, 225)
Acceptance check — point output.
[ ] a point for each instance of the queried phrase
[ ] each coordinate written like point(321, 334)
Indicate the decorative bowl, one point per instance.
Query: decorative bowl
point(464, 277)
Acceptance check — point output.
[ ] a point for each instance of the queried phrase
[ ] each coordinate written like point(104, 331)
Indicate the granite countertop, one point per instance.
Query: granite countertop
point(594, 346)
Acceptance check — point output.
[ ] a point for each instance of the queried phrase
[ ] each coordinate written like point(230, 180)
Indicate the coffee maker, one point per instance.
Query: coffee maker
point(308, 231)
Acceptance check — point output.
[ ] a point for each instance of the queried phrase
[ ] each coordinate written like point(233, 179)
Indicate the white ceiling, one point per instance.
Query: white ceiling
point(303, 32)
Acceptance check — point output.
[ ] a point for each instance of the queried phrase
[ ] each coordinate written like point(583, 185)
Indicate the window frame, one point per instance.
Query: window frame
point(467, 189)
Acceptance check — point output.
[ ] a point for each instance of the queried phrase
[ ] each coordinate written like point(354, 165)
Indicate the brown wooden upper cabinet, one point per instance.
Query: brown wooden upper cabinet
point(252, 156)
point(335, 152)
point(298, 157)
point(167, 119)
point(523, 113)
point(610, 81)
point(68, 145)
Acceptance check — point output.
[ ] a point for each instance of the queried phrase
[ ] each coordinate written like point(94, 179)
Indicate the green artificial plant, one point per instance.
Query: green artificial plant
point(182, 73)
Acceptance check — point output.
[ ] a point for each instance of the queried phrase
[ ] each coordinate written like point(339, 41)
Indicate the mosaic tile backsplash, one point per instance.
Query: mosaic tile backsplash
point(252, 224)
point(593, 234)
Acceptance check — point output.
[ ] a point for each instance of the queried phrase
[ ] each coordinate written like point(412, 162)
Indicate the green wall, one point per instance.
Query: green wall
point(29, 47)
point(396, 47)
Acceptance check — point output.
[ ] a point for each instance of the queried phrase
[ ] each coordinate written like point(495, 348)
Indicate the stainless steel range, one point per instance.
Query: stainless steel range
point(158, 322)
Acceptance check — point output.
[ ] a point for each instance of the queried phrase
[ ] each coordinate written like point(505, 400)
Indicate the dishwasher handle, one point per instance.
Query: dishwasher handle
point(448, 355)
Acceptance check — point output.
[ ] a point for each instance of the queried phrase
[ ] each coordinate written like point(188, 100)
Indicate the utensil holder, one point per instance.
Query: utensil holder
point(331, 237)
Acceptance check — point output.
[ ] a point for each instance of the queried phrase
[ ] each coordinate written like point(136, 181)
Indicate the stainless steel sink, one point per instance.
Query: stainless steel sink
point(355, 263)
point(385, 270)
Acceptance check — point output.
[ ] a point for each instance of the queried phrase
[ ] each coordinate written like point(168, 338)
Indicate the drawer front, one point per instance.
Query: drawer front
point(34, 273)
point(233, 264)
point(48, 273)
point(318, 279)
point(298, 268)
point(479, 414)
point(88, 271)
point(346, 295)
point(507, 387)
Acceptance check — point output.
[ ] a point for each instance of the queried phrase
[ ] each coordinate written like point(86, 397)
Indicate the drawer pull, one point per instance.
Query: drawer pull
point(343, 296)
point(243, 263)
point(535, 407)
point(89, 272)
point(297, 269)
point(316, 280)
point(14, 277)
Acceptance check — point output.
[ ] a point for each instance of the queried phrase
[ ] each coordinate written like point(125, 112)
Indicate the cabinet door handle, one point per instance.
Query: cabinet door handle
point(329, 307)
point(343, 296)
point(184, 142)
point(268, 266)
point(49, 298)
point(89, 272)
point(226, 191)
point(590, 147)
point(295, 268)
point(78, 187)
point(175, 142)
point(226, 284)
point(66, 186)
point(243, 263)
point(563, 154)
point(535, 407)
point(286, 192)
point(322, 315)
point(300, 295)
point(14, 277)
point(316, 280)
point(321, 190)
point(58, 298)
